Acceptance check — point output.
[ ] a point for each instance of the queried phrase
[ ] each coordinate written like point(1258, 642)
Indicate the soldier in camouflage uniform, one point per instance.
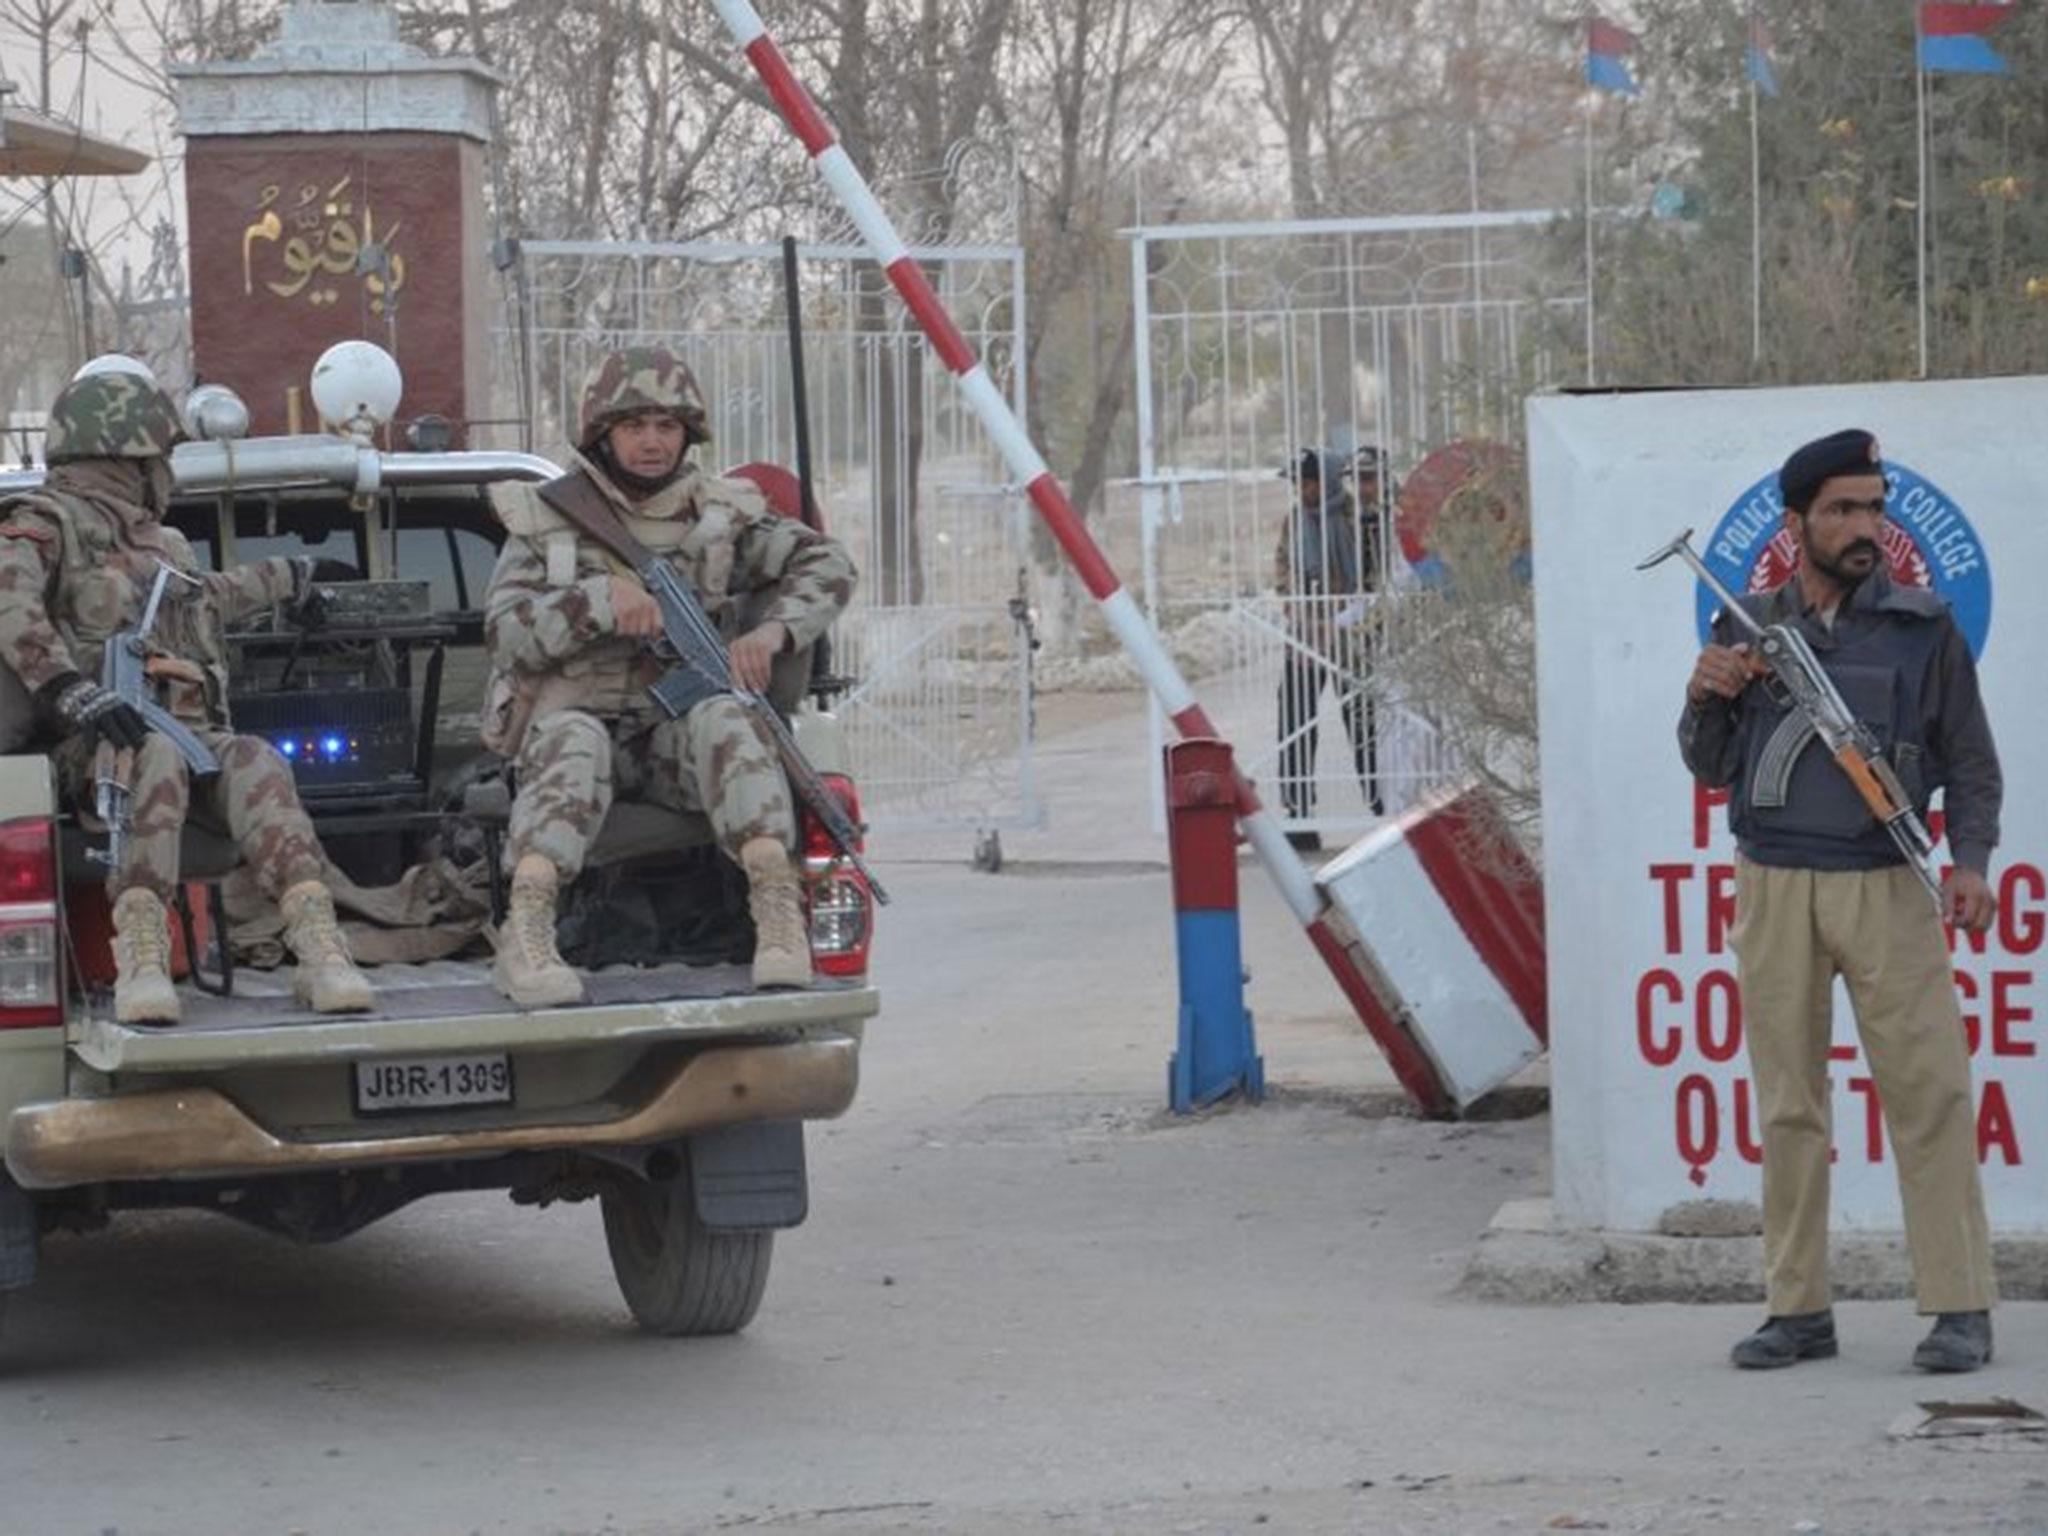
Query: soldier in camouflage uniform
point(77, 560)
point(569, 625)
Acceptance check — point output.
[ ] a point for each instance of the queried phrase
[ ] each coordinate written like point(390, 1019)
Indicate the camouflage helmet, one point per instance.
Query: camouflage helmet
point(635, 379)
point(111, 416)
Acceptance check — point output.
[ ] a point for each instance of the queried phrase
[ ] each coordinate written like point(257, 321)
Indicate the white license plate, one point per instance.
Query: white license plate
point(432, 1082)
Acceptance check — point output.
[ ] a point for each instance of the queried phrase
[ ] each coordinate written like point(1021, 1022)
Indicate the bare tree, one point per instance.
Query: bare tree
point(1099, 85)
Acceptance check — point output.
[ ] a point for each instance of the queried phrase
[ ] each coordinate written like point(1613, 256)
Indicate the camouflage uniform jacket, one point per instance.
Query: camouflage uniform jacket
point(77, 560)
point(548, 619)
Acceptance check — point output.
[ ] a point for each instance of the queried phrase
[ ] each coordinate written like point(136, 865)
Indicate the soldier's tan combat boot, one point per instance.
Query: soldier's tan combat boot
point(782, 947)
point(143, 993)
point(530, 970)
point(327, 980)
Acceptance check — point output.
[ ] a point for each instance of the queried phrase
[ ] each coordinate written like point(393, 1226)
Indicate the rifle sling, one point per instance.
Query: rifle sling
point(586, 509)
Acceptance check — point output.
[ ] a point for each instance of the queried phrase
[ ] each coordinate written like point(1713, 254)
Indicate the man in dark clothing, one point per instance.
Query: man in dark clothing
point(1328, 558)
point(1822, 891)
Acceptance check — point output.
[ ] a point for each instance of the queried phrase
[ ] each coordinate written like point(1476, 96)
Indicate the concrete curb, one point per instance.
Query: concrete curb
point(1526, 1256)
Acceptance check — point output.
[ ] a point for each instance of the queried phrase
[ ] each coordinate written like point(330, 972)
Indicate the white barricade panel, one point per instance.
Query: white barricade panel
point(1452, 939)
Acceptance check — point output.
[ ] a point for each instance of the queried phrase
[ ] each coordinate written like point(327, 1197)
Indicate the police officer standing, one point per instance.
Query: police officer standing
point(1822, 892)
point(1328, 558)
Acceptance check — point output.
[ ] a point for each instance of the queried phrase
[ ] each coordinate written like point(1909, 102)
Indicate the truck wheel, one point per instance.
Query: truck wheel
point(679, 1277)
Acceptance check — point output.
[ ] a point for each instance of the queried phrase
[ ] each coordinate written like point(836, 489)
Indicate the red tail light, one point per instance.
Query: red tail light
point(30, 969)
point(840, 906)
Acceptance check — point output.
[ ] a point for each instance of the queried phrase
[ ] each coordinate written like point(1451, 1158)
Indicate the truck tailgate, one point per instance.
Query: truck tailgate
point(451, 1006)
point(254, 1085)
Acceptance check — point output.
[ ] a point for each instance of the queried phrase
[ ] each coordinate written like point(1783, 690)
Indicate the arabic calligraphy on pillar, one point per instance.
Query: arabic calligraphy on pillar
point(313, 240)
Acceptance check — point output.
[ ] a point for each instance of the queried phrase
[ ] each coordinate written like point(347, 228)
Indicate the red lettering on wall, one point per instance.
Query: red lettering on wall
point(1973, 1027)
point(2021, 922)
point(2006, 1014)
point(1699, 1125)
point(1994, 1126)
point(1720, 906)
point(1671, 877)
point(1658, 1050)
point(1705, 802)
point(1873, 1118)
point(1718, 995)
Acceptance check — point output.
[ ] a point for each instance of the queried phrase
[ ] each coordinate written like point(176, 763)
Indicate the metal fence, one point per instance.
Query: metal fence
point(939, 715)
point(1340, 336)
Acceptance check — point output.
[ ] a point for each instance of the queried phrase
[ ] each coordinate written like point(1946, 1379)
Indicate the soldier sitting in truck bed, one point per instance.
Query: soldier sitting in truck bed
point(78, 558)
point(568, 627)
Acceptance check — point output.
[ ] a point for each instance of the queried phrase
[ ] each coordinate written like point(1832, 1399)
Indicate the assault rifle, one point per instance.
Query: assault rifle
point(1789, 668)
point(703, 668)
point(124, 672)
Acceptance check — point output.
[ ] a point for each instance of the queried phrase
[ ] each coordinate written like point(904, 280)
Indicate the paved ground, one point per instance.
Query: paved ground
point(1025, 1302)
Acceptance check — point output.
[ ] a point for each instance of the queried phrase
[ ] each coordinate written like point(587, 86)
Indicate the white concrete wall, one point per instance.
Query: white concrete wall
point(1650, 1108)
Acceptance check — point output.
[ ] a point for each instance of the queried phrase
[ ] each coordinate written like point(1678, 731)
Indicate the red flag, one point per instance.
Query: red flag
point(1603, 36)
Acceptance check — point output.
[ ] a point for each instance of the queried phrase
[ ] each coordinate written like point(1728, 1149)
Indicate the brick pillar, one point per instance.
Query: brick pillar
point(334, 189)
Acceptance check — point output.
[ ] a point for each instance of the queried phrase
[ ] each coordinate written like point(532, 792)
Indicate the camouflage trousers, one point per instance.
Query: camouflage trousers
point(715, 760)
point(252, 800)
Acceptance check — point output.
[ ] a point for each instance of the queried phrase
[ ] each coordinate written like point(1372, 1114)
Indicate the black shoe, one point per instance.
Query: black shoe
point(1961, 1341)
point(1305, 842)
point(1787, 1341)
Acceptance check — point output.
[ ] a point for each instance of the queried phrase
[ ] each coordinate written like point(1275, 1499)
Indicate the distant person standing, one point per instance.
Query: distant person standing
point(1821, 892)
point(1327, 561)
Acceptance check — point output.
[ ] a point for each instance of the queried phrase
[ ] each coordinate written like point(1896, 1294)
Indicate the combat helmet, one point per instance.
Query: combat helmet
point(111, 415)
point(642, 379)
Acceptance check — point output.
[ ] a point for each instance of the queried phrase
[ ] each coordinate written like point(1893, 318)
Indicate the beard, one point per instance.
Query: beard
point(1848, 568)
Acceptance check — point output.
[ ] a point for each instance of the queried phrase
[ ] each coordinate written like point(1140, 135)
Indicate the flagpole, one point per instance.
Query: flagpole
point(1756, 227)
point(1592, 373)
point(1920, 81)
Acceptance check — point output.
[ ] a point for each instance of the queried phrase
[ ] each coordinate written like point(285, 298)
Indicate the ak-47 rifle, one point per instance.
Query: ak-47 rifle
point(703, 667)
point(124, 672)
point(1786, 663)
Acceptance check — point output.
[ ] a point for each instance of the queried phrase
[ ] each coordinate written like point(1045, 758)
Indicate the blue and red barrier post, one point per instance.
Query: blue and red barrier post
point(1217, 1054)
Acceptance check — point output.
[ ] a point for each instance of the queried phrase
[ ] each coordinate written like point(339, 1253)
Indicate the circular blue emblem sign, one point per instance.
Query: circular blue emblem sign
point(1928, 542)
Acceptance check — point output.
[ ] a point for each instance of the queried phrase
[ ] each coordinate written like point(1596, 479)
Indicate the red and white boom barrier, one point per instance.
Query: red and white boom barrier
point(1333, 935)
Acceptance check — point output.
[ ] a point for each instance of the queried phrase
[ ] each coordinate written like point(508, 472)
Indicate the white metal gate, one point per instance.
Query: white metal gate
point(1260, 340)
point(938, 718)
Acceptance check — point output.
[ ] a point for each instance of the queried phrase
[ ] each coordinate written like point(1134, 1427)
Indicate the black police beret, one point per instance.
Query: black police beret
point(1853, 452)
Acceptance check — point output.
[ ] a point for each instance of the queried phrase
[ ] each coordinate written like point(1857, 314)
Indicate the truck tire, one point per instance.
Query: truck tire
point(679, 1277)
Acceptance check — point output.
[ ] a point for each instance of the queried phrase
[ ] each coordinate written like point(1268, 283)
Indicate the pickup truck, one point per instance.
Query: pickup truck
point(675, 1095)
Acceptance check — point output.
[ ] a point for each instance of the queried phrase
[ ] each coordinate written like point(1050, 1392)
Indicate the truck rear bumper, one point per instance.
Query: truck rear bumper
point(195, 1133)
